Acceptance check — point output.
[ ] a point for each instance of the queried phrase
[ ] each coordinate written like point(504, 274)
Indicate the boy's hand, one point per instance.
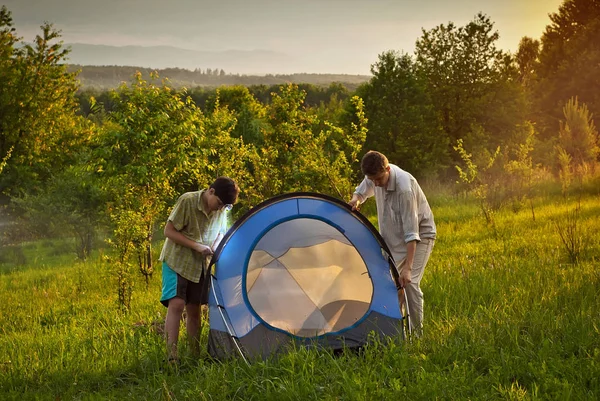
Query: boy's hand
point(203, 249)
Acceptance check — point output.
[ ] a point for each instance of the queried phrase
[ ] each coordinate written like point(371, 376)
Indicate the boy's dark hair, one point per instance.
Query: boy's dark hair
point(226, 189)
point(373, 163)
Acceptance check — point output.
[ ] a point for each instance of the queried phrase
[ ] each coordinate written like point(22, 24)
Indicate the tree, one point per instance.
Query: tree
point(473, 85)
point(37, 108)
point(569, 62)
point(478, 178)
point(249, 113)
point(527, 59)
point(578, 135)
point(402, 122)
point(296, 158)
point(520, 168)
point(151, 141)
point(71, 203)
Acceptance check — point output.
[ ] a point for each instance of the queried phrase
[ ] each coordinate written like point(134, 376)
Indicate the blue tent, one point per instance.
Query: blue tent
point(301, 268)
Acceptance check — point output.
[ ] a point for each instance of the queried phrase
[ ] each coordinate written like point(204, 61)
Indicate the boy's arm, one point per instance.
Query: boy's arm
point(216, 242)
point(178, 238)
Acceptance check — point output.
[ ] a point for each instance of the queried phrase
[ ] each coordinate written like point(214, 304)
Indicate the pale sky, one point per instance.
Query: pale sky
point(322, 36)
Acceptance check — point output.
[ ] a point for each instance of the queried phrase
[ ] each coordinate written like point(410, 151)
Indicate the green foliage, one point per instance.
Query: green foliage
point(565, 172)
point(571, 235)
point(227, 154)
point(110, 77)
point(296, 158)
point(72, 204)
point(37, 107)
point(250, 114)
point(471, 83)
point(527, 59)
point(482, 182)
point(402, 122)
point(578, 136)
point(569, 62)
point(129, 229)
point(518, 165)
point(4, 161)
point(151, 141)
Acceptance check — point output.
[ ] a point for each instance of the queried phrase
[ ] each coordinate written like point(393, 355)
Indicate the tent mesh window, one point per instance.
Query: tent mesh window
point(321, 277)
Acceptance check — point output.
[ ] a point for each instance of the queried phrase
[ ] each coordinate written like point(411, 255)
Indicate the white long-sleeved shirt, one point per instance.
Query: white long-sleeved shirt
point(403, 212)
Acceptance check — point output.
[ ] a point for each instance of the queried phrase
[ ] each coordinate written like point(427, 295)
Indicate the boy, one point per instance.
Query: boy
point(405, 222)
point(195, 222)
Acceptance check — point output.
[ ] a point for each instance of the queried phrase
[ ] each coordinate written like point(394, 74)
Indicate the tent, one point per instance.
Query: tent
point(301, 268)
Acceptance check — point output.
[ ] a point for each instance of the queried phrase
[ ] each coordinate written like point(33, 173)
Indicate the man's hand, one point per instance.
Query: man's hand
point(355, 202)
point(405, 274)
point(405, 267)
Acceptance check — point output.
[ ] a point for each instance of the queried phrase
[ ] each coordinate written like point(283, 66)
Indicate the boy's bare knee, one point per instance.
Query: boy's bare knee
point(176, 305)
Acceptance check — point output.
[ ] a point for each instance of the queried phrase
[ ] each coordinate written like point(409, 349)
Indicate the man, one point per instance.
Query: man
point(405, 223)
point(196, 221)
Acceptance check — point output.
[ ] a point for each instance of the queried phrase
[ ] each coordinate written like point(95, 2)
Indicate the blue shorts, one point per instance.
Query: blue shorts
point(173, 285)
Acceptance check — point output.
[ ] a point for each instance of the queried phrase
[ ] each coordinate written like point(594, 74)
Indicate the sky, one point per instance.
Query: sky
point(322, 36)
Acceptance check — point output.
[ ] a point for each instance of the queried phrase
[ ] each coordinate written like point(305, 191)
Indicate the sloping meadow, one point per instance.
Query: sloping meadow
point(508, 316)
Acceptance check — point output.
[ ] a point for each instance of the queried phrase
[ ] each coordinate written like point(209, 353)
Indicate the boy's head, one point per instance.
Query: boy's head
point(226, 190)
point(376, 167)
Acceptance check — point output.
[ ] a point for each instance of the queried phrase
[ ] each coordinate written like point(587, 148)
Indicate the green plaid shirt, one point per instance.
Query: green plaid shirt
point(195, 222)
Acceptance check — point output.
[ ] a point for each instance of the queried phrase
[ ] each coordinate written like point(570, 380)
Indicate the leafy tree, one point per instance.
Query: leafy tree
point(152, 140)
point(296, 158)
point(527, 59)
point(37, 108)
point(71, 203)
point(227, 154)
point(478, 178)
point(578, 135)
point(474, 86)
point(402, 122)
point(125, 243)
point(519, 166)
point(569, 62)
point(249, 113)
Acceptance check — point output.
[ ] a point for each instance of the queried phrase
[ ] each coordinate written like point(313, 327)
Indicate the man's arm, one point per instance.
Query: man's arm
point(178, 238)
point(362, 193)
point(356, 201)
point(406, 272)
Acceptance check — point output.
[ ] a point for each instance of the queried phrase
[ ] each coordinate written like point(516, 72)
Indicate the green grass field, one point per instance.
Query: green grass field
point(508, 316)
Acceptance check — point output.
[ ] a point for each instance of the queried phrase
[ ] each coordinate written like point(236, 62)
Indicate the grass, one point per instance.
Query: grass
point(507, 317)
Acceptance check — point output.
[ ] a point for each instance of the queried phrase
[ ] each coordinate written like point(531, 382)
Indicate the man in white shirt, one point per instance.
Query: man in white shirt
point(405, 223)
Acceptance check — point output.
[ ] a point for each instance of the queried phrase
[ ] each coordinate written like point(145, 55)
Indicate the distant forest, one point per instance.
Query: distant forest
point(110, 77)
point(89, 144)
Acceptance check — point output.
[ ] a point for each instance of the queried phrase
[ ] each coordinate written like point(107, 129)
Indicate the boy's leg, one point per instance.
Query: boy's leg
point(193, 327)
point(174, 312)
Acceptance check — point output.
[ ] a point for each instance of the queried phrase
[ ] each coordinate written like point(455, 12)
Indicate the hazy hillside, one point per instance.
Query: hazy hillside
point(106, 77)
point(235, 61)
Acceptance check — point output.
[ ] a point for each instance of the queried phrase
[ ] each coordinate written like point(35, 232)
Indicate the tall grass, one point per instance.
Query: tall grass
point(508, 316)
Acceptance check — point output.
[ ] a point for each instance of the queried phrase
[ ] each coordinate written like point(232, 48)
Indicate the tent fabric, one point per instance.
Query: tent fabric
point(301, 268)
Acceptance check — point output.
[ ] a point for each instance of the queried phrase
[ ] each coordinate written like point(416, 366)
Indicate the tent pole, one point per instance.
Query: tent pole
point(396, 277)
point(229, 329)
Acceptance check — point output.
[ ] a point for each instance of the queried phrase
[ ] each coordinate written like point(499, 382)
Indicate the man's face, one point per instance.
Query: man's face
point(381, 179)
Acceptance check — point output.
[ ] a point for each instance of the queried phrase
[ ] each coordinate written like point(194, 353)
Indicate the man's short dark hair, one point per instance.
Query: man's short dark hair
point(226, 189)
point(373, 163)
